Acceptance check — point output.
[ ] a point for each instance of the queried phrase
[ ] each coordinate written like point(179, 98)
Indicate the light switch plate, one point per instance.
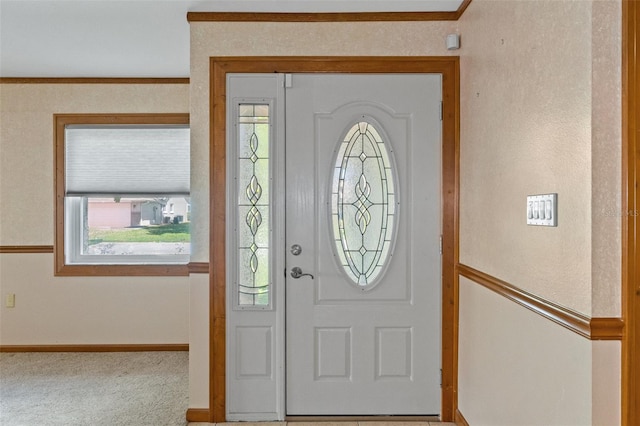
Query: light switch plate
point(542, 210)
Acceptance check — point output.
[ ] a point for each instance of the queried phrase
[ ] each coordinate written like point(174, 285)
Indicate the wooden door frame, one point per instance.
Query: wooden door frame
point(449, 67)
point(631, 207)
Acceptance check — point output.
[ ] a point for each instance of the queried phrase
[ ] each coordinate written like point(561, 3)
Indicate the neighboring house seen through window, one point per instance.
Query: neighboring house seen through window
point(122, 194)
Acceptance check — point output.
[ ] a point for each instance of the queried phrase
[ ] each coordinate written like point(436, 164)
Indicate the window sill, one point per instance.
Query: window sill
point(121, 270)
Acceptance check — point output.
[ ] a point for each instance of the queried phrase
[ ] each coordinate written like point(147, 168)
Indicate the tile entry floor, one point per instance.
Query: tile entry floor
point(342, 423)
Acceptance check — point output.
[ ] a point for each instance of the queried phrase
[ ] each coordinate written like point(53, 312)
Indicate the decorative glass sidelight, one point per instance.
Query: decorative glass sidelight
point(253, 222)
point(363, 204)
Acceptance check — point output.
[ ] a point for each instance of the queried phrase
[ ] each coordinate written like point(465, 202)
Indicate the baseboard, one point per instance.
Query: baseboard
point(459, 419)
point(198, 415)
point(95, 348)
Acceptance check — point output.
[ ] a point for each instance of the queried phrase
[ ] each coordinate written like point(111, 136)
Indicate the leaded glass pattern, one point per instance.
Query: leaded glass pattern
point(363, 204)
point(253, 205)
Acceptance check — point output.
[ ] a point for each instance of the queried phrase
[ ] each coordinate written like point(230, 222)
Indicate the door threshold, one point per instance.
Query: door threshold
point(382, 418)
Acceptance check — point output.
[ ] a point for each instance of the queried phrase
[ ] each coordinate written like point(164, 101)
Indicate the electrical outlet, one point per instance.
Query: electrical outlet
point(10, 301)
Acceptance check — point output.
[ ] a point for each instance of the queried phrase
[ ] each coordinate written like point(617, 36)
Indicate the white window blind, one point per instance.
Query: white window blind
point(127, 159)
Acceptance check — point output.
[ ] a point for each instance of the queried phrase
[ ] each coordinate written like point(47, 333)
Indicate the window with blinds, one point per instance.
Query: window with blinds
point(127, 159)
point(125, 189)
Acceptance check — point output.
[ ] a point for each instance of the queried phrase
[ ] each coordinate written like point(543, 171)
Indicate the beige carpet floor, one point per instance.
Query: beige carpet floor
point(86, 389)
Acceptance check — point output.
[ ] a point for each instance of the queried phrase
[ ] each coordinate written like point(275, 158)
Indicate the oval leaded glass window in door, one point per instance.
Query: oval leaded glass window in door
point(363, 204)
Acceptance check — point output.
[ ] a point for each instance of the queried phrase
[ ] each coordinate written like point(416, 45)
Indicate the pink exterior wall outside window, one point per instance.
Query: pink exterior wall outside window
point(112, 215)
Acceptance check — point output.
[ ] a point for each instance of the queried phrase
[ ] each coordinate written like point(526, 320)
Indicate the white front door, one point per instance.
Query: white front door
point(363, 220)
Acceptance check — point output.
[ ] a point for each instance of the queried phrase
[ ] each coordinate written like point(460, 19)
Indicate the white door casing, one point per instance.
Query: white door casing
point(354, 350)
point(348, 350)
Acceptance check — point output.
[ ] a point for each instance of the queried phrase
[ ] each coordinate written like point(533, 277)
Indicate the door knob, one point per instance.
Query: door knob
point(296, 272)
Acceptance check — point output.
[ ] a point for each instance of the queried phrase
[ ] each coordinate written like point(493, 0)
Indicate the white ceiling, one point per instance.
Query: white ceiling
point(135, 38)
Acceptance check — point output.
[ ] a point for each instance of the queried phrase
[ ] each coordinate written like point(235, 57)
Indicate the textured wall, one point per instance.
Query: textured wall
point(517, 368)
point(89, 310)
point(606, 159)
point(26, 143)
point(199, 341)
point(606, 374)
point(540, 113)
point(73, 310)
point(526, 129)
